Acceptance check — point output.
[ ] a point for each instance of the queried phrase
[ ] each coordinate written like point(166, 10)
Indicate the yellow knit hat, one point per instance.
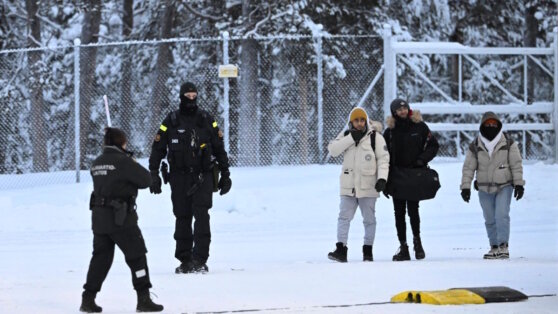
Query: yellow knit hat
point(358, 113)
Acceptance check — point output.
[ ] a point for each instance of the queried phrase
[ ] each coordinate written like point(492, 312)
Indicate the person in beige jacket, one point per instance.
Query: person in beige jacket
point(363, 176)
point(497, 162)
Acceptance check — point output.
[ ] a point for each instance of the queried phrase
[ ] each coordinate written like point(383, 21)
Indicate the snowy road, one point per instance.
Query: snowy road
point(271, 236)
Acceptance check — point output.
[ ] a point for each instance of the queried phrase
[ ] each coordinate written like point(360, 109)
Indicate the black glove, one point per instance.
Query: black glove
point(357, 135)
point(156, 183)
point(225, 183)
point(419, 163)
point(518, 192)
point(476, 185)
point(466, 195)
point(385, 194)
point(380, 185)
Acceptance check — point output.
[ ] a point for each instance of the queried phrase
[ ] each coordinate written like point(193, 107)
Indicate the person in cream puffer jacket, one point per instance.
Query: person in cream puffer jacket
point(497, 163)
point(363, 177)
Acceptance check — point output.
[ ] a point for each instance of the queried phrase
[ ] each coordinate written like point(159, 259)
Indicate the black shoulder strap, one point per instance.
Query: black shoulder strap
point(204, 119)
point(373, 140)
point(474, 147)
point(509, 142)
point(174, 118)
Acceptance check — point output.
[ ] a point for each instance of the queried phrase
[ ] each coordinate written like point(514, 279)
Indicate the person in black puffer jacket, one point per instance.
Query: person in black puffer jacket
point(411, 145)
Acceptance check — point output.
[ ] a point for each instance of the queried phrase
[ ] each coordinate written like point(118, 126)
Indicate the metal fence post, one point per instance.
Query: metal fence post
point(226, 104)
point(389, 73)
point(320, 82)
point(555, 113)
point(77, 42)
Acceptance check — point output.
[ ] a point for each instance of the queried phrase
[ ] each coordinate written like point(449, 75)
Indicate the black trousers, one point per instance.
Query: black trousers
point(191, 243)
point(400, 207)
point(130, 241)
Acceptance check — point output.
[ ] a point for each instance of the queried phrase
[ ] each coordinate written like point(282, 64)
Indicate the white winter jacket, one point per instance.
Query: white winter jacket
point(362, 166)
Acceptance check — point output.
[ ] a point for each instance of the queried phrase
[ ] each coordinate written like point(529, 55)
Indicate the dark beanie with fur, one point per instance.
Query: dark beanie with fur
point(398, 103)
point(115, 137)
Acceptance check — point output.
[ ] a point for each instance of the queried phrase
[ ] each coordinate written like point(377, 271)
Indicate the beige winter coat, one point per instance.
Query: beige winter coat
point(362, 166)
point(493, 173)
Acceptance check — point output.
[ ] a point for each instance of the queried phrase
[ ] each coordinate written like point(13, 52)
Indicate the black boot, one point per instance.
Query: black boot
point(367, 253)
point(88, 304)
point(145, 304)
point(417, 246)
point(183, 268)
point(340, 253)
point(193, 266)
point(197, 266)
point(402, 253)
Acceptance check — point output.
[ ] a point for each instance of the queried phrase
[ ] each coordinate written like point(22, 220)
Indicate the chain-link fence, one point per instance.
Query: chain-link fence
point(280, 111)
point(292, 96)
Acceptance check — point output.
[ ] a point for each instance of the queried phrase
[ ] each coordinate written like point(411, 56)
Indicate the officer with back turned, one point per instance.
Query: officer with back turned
point(116, 180)
point(190, 139)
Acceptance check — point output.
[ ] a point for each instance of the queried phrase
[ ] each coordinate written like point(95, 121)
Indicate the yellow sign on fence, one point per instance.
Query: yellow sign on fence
point(228, 70)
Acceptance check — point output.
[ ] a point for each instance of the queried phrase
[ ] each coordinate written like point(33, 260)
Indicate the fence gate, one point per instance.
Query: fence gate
point(458, 84)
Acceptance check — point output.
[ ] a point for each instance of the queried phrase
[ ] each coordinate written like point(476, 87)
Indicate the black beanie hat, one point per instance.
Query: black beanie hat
point(398, 103)
point(114, 137)
point(187, 87)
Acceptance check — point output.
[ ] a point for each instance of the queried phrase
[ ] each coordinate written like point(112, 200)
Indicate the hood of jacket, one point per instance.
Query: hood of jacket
point(414, 115)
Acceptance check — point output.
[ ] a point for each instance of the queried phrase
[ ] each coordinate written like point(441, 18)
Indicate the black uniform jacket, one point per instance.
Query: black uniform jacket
point(189, 141)
point(118, 176)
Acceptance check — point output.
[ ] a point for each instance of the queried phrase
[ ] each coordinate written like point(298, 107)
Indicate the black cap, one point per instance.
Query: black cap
point(398, 103)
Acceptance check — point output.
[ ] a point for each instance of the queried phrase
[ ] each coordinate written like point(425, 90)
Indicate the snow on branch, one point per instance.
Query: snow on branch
point(267, 18)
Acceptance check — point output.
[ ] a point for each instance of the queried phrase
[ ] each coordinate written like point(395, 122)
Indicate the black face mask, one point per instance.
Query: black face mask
point(489, 132)
point(188, 106)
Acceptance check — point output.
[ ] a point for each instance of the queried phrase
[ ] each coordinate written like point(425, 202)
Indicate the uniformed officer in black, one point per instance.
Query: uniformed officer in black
point(191, 139)
point(116, 180)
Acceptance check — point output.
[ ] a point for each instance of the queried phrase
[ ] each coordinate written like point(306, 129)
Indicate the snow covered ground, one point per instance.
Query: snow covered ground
point(271, 235)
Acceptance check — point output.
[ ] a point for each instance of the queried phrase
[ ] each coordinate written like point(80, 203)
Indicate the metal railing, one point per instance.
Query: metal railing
point(516, 83)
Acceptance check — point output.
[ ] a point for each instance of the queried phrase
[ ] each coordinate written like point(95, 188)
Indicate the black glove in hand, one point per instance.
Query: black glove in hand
point(225, 184)
point(476, 185)
point(518, 192)
point(466, 195)
point(380, 185)
point(385, 194)
point(156, 183)
point(357, 135)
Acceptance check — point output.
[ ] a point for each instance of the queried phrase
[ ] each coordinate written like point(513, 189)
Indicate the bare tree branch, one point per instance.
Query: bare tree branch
point(202, 15)
point(253, 32)
point(49, 22)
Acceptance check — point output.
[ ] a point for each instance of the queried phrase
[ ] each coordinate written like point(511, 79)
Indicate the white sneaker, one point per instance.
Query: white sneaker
point(503, 251)
point(492, 254)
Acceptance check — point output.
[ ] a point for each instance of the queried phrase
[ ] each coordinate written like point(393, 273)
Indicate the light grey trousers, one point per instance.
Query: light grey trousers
point(347, 209)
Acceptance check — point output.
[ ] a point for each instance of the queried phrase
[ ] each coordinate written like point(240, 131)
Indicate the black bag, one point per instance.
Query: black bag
point(413, 184)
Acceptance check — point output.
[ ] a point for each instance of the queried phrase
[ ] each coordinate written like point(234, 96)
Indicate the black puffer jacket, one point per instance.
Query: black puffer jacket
point(410, 140)
point(116, 176)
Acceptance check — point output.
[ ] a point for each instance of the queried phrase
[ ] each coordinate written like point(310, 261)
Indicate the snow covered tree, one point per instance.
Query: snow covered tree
point(36, 69)
point(88, 61)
